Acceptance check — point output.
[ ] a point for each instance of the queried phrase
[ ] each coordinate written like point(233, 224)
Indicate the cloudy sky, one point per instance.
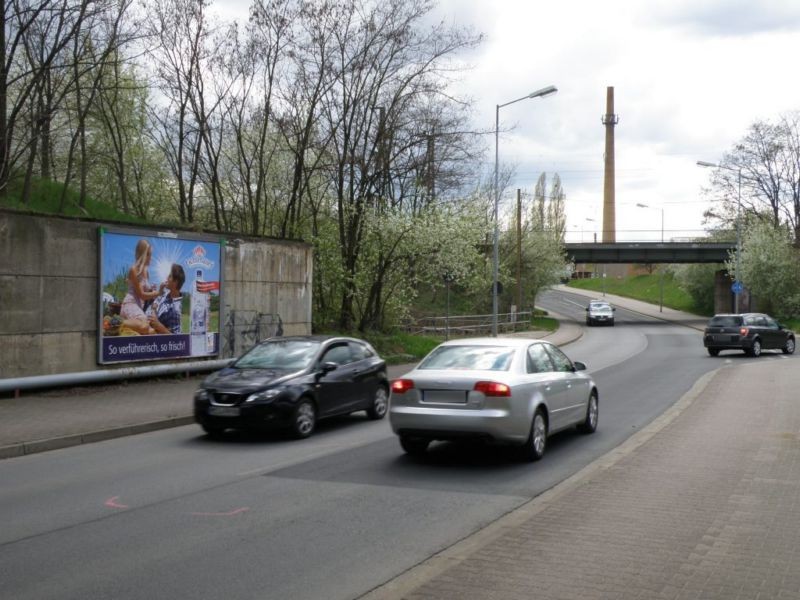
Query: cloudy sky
point(689, 77)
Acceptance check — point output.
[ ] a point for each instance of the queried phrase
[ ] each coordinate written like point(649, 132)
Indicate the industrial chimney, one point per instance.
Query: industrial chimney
point(609, 214)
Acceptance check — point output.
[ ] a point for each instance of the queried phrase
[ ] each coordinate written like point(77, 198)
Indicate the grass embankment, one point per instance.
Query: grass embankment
point(45, 197)
point(643, 287)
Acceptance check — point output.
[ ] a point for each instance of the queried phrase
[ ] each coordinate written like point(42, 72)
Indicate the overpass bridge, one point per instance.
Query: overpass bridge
point(667, 252)
point(649, 252)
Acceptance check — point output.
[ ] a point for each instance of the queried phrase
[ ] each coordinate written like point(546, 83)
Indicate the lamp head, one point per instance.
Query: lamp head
point(545, 91)
point(703, 163)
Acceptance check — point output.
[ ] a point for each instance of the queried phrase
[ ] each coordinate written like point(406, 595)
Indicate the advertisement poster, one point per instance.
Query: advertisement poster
point(159, 297)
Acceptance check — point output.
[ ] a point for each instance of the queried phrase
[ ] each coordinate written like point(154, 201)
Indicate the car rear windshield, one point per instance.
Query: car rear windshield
point(483, 358)
point(725, 321)
point(280, 354)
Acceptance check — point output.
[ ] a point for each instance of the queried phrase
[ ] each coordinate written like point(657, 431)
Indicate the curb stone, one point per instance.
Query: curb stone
point(25, 448)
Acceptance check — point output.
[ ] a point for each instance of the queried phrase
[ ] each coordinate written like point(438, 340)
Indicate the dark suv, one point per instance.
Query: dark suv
point(751, 332)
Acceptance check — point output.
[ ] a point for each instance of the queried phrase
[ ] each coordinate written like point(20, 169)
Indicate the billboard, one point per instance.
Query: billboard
point(159, 296)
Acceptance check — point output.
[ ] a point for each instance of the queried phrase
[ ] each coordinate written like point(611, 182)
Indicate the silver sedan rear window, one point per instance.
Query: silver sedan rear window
point(482, 358)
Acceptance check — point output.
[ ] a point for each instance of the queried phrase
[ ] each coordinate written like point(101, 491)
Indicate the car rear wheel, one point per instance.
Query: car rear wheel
point(755, 350)
point(589, 424)
point(534, 448)
point(380, 403)
point(713, 351)
point(414, 446)
point(305, 419)
point(789, 347)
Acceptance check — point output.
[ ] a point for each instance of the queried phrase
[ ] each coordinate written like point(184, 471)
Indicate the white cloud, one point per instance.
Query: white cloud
point(689, 79)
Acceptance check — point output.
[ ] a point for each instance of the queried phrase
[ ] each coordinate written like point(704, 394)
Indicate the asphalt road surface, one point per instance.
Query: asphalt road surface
point(175, 514)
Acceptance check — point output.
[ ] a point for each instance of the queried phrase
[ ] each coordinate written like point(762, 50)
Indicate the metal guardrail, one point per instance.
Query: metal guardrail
point(470, 325)
point(17, 384)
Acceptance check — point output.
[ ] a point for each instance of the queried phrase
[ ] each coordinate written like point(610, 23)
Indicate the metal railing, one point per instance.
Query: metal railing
point(470, 325)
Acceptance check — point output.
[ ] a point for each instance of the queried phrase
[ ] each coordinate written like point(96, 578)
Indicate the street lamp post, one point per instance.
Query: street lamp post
point(661, 269)
point(703, 163)
point(547, 91)
point(588, 220)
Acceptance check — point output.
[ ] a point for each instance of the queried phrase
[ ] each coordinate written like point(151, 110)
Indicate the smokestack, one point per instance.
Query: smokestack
point(609, 214)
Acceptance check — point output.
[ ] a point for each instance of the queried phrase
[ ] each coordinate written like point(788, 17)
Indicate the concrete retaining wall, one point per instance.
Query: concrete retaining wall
point(724, 301)
point(49, 290)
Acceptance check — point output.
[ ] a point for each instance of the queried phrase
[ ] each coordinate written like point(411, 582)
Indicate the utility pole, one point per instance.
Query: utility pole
point(430, 173)
point(383, 155)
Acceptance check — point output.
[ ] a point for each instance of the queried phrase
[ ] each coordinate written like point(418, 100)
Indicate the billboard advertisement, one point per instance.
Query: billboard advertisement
point(159, 296)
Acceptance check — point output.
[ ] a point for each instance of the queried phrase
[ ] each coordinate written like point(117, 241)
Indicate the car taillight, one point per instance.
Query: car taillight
point(743, 331)
point(401, 386)
point(492, 388)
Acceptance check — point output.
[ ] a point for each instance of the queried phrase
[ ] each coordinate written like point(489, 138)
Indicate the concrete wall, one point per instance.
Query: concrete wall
point(724, 301)
point(49, 290)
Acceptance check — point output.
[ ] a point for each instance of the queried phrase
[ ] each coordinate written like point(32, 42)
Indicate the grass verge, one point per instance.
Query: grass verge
point(643, 287)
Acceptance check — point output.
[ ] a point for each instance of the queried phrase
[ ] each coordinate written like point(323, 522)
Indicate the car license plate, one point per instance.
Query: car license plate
point(445, 396)
point(223, 411)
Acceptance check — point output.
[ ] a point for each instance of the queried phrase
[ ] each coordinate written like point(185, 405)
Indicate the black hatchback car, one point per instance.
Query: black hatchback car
point(750, 332)
point(291, 383)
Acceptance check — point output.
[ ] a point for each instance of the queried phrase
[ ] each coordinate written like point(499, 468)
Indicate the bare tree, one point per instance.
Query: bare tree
point(304, 133)
point(791, 132)
point(385, 65)
point(96, 51)
point(768, 158)
point(181, 32)
point(123, 152)
point(256, 66)
point(35, 36)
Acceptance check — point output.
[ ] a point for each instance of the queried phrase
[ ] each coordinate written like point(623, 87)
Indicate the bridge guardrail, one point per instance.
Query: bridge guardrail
point(470, 325)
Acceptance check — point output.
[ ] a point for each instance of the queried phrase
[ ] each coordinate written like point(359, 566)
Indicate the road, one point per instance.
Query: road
point(175, 514)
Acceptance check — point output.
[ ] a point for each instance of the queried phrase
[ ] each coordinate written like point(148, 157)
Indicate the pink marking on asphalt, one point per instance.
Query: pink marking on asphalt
point(221, 514)
point(112, 503)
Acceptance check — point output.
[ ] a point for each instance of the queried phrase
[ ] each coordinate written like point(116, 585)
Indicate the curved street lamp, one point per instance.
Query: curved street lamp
point(546, 91)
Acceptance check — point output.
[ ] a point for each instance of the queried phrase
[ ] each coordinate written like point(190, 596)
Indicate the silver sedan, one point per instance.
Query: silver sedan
point(510, 390)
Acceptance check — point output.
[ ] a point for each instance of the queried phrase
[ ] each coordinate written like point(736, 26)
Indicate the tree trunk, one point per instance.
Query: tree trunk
point(4, 141)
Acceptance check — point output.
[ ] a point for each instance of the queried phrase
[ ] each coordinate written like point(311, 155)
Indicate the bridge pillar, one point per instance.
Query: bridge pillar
point(723, 295)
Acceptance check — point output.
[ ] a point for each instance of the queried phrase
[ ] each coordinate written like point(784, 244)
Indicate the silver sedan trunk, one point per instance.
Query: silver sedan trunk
point(516, 380)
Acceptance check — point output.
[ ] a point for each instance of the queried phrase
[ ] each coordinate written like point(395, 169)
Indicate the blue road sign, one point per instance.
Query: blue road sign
point(737, 287)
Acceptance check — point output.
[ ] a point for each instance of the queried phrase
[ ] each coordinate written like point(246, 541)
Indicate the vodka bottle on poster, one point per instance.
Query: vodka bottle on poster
point(199, 317)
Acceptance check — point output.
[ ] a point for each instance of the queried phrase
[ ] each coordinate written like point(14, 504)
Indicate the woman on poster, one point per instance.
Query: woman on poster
point(139, 290)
